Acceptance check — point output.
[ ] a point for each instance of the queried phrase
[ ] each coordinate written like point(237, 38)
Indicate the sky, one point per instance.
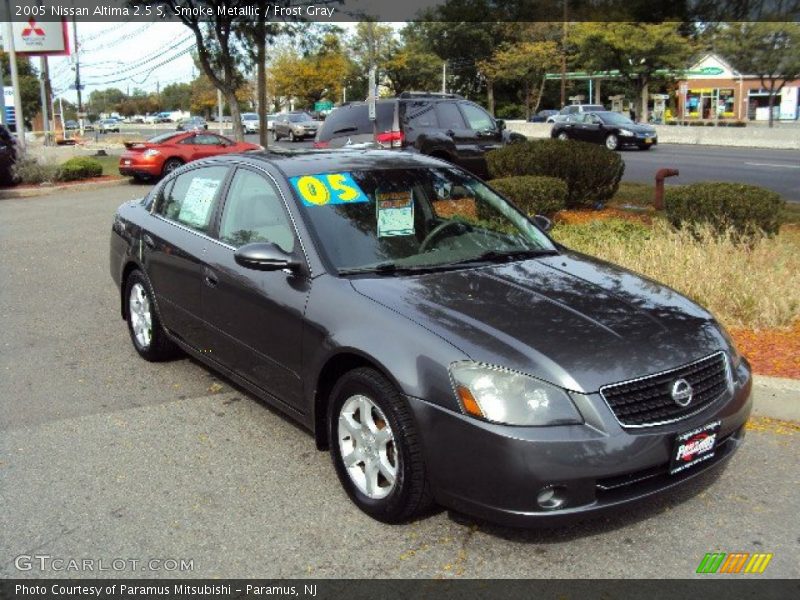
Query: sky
point(127, 55)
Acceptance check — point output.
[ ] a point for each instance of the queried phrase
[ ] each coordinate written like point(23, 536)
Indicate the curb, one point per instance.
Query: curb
point(11, 193)
point(776, 397)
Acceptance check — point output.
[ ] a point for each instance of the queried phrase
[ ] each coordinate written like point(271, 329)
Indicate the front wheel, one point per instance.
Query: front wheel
point(563, 136)
point(612, 142)
point(144, 326)
point(376, 449)
point(292, 137)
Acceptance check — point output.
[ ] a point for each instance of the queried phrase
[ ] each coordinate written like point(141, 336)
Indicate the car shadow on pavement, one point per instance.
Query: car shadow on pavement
point(627, 516)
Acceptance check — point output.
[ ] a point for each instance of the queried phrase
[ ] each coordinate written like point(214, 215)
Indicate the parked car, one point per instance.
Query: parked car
point(191, 124)
point(442, 125)
point(295, 126)
point(107, 125)
point(606, 127)
point(357, 292)
point(164, 153)
point(271, 121)
point(542, 116)
point(8, 156)
point(573, 109)
point(71, 125)
point(250, 122)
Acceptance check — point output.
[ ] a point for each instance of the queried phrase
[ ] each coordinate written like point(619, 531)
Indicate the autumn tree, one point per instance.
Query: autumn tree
point(641, 52)
point(770, 51)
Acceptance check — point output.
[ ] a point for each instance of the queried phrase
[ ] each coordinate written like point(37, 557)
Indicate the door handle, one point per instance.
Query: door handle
point(210, 279)
point(148, 241)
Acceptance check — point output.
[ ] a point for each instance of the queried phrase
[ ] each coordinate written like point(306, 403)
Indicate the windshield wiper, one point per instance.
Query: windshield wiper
point(504, 256)
point(388, 268)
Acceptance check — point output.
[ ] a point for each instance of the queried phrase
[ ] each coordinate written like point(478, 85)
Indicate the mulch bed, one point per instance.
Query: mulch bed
point(580, 216)
point(774, 352)
point(37, 186)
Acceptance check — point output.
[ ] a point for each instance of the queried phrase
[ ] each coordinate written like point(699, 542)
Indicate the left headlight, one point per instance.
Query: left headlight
point(626, 132)
point(736, 358)
point(503, 396)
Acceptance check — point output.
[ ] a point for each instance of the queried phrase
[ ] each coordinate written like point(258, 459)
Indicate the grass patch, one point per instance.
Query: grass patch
point(791, 212)
point(110, 164)
point(746, 286)
point(633, 194)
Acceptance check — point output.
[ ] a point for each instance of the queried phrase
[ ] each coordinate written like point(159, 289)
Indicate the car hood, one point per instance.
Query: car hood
point(638, 128)
point(568, 319)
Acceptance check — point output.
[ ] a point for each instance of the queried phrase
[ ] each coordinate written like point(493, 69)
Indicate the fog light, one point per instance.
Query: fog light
point(552, 497)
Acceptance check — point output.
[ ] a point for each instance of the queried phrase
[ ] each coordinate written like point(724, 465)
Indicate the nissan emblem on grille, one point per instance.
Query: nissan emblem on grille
point(682, 392)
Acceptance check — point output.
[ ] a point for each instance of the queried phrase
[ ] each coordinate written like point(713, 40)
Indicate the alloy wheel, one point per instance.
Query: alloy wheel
point(141, 316)
point(612, 142)
point(367, 447)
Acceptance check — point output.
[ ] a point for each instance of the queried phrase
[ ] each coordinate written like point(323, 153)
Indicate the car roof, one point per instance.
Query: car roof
point(293, 163)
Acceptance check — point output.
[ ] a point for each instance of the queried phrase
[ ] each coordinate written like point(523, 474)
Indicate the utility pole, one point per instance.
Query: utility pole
point(444, 76)
point(564, 58)
point(12, 57)
point(45, 103)
point(77, 72)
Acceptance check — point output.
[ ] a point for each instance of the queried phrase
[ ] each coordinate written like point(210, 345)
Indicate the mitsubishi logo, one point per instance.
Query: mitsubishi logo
point(32, 28)
point(682, 392)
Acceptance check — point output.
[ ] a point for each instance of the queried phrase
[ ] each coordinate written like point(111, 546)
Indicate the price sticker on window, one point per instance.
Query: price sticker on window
point(328, 188)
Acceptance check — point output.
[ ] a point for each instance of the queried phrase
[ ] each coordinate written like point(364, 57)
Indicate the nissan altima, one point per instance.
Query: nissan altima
point(429, 334)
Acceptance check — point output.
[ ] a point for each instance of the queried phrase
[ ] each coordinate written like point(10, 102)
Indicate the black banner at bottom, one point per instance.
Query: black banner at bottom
point(353, 589)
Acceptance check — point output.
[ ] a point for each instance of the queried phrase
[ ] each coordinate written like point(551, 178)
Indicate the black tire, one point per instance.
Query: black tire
point(292, 137)
point(645, 147)
point(563, 136)
point(410, 495)
point(275, 136)
point(160, 346)
point(170, 165)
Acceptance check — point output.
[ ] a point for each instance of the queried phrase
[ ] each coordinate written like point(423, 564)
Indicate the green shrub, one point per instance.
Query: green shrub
point(29, 170)
point(80, 167)
point(746, 209)
point(510, 111)
point(592, 172)
point(534, 195)
point(615, 232)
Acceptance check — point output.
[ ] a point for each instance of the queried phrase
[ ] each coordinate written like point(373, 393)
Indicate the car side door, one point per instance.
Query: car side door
point(255, 318)
point(593, 128)
point(454, 127)
point(172, 248)
point(208, 144)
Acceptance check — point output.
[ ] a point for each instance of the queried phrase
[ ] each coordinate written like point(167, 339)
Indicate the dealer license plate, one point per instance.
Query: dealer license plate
point(648, 140)
point(693, 447)
point(127, 162)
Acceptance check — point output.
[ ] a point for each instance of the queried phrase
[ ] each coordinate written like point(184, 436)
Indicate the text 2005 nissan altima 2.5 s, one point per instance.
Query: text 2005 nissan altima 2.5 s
point(434, 338)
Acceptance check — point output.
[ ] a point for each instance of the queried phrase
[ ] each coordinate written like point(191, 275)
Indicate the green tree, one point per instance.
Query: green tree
point(106, 101)
point(770, 51)
point(177, 96)
point(641, 52)
point(411, 65)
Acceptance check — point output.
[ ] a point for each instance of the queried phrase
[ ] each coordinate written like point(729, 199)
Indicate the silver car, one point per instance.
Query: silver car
point(251, 122)
point(295, 126)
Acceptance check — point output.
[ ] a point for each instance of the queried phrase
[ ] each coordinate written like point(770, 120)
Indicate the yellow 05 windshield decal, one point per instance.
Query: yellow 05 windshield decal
point(328, 188)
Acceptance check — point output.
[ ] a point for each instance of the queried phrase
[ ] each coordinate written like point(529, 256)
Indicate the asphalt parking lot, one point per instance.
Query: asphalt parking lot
point(105, 456)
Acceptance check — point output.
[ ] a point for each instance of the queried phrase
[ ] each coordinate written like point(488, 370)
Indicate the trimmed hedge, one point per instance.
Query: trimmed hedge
point(534, 195)
point(746, 209)
point(80, 167)
point(592, 172)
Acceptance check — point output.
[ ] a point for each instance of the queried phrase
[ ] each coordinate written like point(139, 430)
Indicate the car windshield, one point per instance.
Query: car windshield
point(416, 219)
point(250, 117)
point(163, 137)
point(612, 118)
point(300, 118)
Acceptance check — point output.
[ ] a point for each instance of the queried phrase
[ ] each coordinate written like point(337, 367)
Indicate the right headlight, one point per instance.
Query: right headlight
point(504, 396)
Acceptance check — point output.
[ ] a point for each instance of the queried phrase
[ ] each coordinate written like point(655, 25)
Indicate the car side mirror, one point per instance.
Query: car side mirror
point(501, 124)
point(543, 223)
point(265, 256)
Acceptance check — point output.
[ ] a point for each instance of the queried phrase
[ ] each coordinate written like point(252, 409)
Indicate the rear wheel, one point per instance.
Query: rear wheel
point(170, 165)
point(144, 326)
point(275, 136)
point(612, 142)
point(376, 449)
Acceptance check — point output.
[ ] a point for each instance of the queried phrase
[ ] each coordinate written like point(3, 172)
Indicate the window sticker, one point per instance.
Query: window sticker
point(328, 188)
point(196, 204)
point(395, 213)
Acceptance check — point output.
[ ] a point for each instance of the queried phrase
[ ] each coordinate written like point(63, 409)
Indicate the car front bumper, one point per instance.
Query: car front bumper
point(497, 472)
point(637, 140)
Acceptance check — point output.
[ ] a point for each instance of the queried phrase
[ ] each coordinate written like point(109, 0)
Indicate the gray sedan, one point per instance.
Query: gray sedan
point(429, 334)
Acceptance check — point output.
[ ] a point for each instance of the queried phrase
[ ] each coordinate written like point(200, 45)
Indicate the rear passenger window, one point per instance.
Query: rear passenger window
point(478, 119)
point(449, 116)
point(189, 199)
point(254, 212)
point(420, 115)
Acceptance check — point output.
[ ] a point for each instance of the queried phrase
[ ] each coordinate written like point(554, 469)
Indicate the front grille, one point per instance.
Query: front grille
point(648, 401)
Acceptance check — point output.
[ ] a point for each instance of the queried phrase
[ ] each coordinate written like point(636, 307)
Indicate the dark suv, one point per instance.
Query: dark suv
point(441, 125)
point(8, 156)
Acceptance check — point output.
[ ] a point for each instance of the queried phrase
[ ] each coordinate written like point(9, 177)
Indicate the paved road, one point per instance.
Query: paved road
point(103, 455)
point(777, 170)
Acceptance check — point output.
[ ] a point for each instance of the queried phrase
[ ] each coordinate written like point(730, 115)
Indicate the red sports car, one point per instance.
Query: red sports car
point(166, 152)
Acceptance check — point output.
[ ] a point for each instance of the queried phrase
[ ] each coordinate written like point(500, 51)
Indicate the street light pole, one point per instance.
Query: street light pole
point(12, 57)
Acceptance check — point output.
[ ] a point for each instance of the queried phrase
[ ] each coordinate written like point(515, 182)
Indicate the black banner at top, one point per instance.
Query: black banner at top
point(337, 11)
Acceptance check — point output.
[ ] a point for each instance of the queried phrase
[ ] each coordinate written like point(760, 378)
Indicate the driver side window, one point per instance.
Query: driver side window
point(254, 212)
point(477, 118)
